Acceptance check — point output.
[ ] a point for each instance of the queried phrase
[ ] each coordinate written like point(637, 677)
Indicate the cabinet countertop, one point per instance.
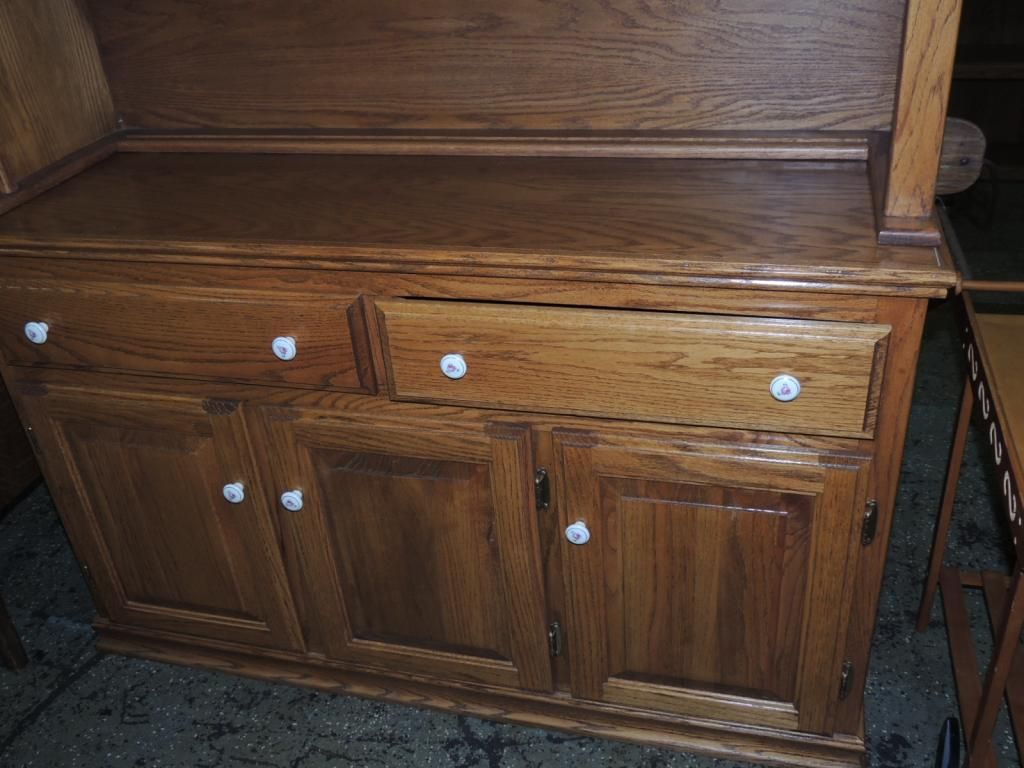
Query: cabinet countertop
point(777, 223)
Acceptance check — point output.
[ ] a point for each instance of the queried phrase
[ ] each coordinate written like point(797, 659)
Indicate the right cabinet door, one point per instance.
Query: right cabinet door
point(713, 583)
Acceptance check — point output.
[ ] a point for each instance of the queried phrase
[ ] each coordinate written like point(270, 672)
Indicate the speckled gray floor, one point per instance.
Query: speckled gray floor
point(72, 707)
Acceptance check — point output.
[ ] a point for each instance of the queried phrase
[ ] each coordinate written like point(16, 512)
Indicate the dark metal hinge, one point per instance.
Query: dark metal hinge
point(845, 680)
point(542, 488)
point(555, 638)
point(870, 526)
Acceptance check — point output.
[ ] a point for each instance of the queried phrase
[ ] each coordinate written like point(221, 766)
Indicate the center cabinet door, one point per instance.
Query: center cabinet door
point(713, 583)
point(418, 541)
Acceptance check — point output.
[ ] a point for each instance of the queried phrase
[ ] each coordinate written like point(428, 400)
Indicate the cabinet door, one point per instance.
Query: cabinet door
point(139, 480)
point(418, 543)
point(712, 584)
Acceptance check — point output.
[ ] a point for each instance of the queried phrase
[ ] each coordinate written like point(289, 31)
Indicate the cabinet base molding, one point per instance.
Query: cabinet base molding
point(557, 711)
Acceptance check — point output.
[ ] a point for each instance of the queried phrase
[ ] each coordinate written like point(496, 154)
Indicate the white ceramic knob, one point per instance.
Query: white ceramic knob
point(284, 347)
point(454, 366)
point(785, 388)
point(578, 533)
point(292, 500)
point(234, 492)
point(36, 332)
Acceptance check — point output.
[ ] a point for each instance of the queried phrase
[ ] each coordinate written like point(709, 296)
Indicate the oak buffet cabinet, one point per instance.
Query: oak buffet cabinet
point(544, 361)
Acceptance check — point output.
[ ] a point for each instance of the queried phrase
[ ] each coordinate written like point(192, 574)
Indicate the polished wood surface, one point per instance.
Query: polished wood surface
point(139, 479)
point(657, 593)
point(135, 324)
point(429, 532)
point(685, 368)
point(918, 125)
point(52, 86)
point(516, 64)
point(804, 223)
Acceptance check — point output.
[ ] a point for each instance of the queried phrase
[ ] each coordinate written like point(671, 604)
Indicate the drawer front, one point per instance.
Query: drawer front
point(187, 331)
point(684, 368)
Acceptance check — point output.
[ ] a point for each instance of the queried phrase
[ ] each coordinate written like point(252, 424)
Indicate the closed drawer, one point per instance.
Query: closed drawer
point(205, 332)
point(695, 369)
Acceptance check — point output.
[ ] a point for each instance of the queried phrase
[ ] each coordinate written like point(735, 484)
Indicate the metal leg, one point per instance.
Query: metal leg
point(956, 460)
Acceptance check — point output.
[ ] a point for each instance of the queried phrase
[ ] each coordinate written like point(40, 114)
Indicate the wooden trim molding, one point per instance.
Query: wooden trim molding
point(918, 124)
point(49, 177)
point(677, 145)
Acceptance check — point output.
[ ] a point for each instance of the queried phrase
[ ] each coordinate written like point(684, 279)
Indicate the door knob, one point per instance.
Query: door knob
point(578, 533)
point(292, 500)
point(234, 493)
point(454, 366)
point(284, 347)
point(785, 387)
point(36, 332)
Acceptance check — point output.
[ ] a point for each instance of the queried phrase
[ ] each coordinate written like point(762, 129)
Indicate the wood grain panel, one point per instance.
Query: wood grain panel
point(420, 543)
point(925, 74)
point(209, 331)
point(138, 480)
point(781, 224)
point(653, 366)
point(713, 580)
point(52, 86)
point(519, 64)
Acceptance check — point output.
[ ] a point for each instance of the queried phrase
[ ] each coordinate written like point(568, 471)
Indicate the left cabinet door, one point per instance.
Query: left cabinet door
point(140, 482)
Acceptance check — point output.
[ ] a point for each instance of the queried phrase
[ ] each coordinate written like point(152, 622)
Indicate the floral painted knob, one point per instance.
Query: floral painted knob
point(785, 388)
point(284, 347)
point(292, 500)
point(234, 493)
point(36, 332)
point(578, 533)
point(454, 366)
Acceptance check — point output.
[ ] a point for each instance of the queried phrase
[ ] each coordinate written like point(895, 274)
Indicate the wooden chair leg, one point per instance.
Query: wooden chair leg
point(994, 690)
point(956, 460)
point(12, 654)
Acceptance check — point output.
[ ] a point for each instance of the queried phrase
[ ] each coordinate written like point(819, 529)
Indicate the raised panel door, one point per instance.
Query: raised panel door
point(139, 480)
point(713, 581)
point(418, 540)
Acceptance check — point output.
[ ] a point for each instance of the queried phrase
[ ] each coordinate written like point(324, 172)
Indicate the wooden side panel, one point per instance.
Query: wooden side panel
point(52, 86)
point(919, 122)
point(503, 65)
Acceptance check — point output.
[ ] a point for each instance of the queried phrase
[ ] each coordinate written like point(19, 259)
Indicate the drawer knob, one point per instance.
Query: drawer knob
point(785, 388)
point(578, 533)
point(284, 347)
point(454, 366)
point(234, 493)
point(292, 500)
point(36, 332)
